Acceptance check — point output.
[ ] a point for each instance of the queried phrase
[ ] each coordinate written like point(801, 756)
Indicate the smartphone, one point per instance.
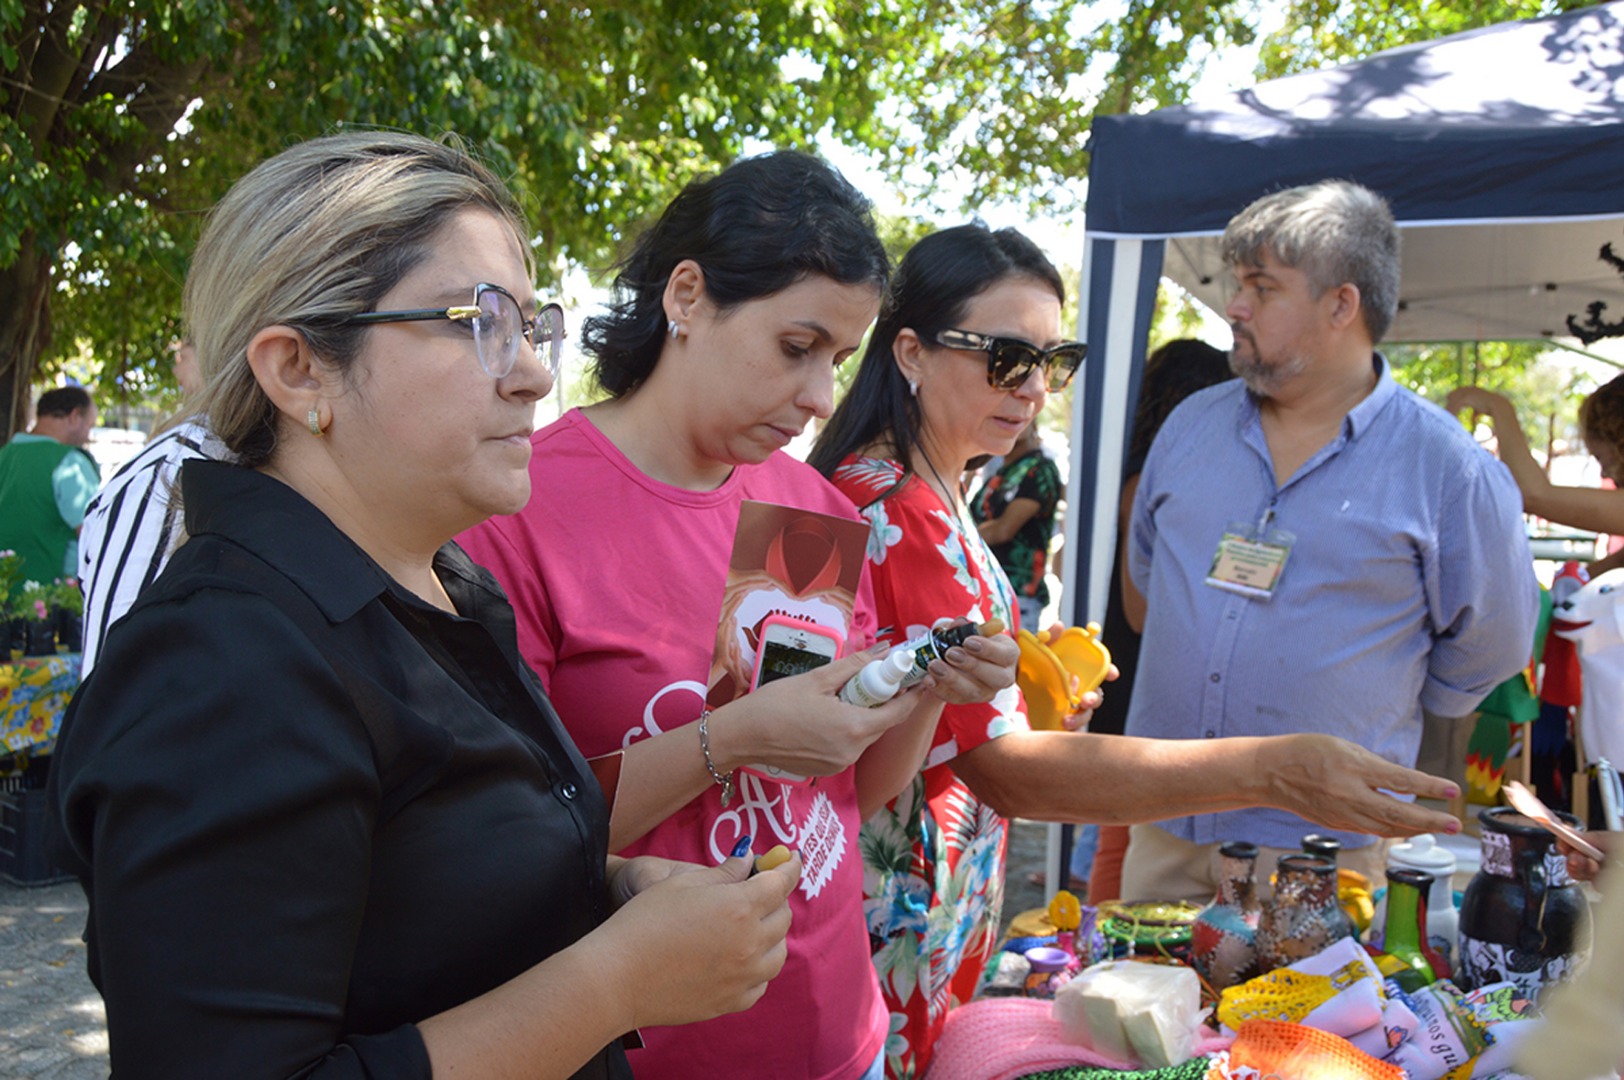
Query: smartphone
point(790, 646)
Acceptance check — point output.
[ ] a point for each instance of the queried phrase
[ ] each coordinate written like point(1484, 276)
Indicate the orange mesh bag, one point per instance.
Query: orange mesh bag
point(1295, 1052)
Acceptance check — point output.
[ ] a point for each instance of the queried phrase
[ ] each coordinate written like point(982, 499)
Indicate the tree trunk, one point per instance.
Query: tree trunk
point(25, 330)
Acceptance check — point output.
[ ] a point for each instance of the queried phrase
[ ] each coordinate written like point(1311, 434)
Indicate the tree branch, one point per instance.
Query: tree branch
point(48, 76)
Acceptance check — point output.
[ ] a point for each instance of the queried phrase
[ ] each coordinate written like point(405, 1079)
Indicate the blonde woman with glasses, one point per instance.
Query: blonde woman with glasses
point(328, 822)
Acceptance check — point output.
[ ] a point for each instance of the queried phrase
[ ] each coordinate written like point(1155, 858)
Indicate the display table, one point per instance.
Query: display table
point(34, 693)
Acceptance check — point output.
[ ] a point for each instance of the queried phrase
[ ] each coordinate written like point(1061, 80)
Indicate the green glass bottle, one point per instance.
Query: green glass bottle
point(1406, 917)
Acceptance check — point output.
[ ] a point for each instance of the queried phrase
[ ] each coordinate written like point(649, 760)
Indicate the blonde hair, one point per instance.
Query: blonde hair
point(310, 237)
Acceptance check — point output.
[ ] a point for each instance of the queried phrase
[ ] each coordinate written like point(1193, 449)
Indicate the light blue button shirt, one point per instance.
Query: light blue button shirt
point(1409, 584)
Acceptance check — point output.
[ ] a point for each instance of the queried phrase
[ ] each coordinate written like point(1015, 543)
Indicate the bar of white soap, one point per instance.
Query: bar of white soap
point(1133, 1011)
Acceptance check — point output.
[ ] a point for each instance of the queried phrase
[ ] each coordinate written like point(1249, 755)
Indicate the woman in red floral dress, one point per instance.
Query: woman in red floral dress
point(934, 857)
point(966, 350)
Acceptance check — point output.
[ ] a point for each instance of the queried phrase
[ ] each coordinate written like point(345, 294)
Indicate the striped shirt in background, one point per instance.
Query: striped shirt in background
point(133, 525)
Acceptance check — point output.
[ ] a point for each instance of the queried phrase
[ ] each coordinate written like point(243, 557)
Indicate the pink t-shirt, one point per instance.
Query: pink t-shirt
point(617, 583)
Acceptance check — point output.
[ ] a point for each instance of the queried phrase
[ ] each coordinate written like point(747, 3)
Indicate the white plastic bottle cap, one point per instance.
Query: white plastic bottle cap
point(1422, 853)
point(897, 665)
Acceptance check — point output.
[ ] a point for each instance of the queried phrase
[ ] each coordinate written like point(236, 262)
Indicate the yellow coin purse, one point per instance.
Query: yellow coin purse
point(1055, 674)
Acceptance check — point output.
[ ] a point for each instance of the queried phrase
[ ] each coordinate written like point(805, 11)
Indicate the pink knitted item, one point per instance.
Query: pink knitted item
point(1004, 1038)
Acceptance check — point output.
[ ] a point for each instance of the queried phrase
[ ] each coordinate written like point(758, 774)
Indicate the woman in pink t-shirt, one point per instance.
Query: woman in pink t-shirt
point(730, 315)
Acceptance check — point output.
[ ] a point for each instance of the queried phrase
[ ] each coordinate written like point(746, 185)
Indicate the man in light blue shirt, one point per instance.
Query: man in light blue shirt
point(1320, 549)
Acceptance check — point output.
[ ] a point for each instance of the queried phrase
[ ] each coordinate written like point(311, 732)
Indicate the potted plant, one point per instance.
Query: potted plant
point(11, 624)
point(39, 628)
point(68, 609)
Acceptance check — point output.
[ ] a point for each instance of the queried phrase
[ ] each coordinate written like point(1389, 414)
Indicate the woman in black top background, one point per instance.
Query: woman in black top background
point(327, 820)
point(1172, 373)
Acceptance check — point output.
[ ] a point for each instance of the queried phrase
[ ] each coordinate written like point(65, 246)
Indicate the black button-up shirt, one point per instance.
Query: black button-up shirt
point(309, 808)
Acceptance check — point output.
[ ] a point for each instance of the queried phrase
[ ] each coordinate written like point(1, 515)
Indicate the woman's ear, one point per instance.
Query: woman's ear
point(287, 372)
point(908, 352)
point(684, 290)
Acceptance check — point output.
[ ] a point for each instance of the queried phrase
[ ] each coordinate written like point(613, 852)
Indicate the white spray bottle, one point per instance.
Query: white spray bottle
point(879, 680)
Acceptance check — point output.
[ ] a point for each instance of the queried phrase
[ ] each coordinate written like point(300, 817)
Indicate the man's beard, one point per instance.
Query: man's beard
point(1260, 376)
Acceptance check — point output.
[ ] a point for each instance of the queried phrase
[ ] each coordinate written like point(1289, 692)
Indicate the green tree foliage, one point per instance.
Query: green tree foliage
point(1547, 396)
point(1319, 33)
point(121, 123)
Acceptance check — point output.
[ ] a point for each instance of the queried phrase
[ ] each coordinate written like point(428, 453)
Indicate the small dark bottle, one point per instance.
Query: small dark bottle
point(933, 645)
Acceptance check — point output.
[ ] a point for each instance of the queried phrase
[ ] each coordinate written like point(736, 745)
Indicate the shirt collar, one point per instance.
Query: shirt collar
point(1362, 415)
point(278, 525)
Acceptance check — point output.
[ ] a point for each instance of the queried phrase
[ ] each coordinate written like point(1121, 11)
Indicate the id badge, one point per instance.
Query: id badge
point(1247, 564)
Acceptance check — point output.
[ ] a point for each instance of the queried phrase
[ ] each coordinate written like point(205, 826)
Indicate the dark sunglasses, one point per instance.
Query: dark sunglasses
point(1010, 360)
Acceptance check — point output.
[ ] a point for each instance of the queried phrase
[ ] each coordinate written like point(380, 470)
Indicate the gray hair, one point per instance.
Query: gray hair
point(311, 236)
point(1335, 232)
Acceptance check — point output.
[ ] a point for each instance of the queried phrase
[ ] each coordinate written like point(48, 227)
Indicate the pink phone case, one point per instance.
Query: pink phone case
point(811, 630)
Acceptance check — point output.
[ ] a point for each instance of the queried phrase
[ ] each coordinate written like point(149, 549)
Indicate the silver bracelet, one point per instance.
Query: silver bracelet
point(726, 782)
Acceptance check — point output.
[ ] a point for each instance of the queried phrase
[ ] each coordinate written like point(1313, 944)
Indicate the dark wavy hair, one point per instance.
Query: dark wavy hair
point(1173, 372)
point(932, 287)
point(1601, 416)
point(755, 228)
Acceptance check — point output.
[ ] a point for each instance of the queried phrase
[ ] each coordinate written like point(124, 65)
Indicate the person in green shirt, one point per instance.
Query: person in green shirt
point(47, 479)
point(1015, 512)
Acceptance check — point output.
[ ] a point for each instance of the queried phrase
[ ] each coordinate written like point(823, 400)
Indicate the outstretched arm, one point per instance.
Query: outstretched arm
point(1119, 780)
point(1575, 507)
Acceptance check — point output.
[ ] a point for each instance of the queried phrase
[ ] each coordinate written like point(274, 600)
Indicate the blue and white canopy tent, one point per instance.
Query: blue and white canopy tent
point(1500, 150)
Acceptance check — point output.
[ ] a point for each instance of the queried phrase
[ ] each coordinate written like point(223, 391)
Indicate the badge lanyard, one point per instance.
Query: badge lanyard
point(1250, 558)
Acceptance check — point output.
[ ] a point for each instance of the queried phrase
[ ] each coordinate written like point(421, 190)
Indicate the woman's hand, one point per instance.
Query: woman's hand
point(629, 877)
point(699, 942)
point(1582, 867)
point(1337, 784)
point(1078, 721)
point(975, 671)
point(798, 724)
point(1483, 402)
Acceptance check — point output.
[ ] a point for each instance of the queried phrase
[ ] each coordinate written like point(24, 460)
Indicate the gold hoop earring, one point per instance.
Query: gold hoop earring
point(314, 420)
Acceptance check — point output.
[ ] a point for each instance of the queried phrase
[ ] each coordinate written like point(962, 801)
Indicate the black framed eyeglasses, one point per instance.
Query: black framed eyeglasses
point(1010, 360)
point(498, 325)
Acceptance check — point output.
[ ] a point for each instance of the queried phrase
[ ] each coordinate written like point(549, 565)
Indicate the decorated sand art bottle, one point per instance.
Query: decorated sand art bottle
point(1523, 919)
point(1304, 916)
point(1402, 932)
point(1443, 928)
point(1327, 847)
point(1223, 940)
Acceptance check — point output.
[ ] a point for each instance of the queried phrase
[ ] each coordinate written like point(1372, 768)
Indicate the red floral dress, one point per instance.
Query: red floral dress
point(934, 858)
